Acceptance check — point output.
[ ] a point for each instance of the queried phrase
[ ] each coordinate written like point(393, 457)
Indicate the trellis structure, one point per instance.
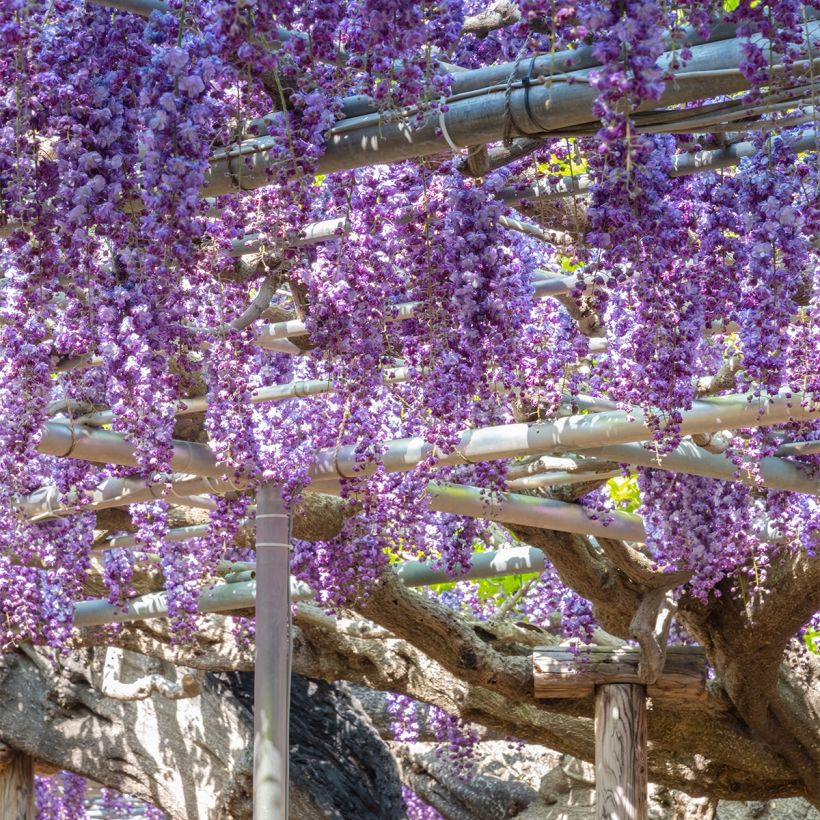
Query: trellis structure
point(536, 99)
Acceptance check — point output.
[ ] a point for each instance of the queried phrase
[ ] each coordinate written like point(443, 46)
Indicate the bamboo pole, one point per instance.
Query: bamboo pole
point(273, 656)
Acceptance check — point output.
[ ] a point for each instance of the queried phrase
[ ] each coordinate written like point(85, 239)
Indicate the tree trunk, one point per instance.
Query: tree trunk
point(192, 757)
point(339, 766)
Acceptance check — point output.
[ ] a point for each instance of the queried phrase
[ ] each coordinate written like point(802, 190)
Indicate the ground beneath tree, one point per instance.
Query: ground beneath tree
point(563, 788)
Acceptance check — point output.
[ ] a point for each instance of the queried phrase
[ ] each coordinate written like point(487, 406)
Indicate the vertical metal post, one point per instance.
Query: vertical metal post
point(273, 656)
point(620, 752)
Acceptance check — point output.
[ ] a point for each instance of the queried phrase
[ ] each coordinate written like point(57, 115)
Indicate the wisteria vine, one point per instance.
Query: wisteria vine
point(122, 288)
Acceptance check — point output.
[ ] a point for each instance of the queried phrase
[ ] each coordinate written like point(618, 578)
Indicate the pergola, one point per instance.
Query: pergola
point(535, 99)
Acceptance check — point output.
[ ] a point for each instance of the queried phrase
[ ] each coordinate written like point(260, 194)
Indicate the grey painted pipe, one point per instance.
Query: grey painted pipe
point(271, 698)
point(567, 434)
point(120, 492)
point(222, 598)
point(527, 510)
point(479, 120)
point(776, 473)
point(65, 440)
point(544, 286)
point(242, 595)
point(798, 448)
point(244, 166)
point(489, 564)
point(682, 165)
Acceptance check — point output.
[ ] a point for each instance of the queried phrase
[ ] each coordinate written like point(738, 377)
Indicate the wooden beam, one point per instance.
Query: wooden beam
point(16, 785)
point(560, 672)
point(620, 752)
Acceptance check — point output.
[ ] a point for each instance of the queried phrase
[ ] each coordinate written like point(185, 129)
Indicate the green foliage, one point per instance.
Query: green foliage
point(624, 493)
point(568, 265)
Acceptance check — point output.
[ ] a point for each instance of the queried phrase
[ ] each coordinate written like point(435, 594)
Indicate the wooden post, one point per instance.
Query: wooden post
point(621, 769)
point(273, 656)
point(620, 752)
point(16, 785)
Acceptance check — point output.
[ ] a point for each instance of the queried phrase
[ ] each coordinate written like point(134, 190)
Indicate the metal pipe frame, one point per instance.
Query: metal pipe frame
point(230, 597)
point(568, 434)
point(689, 458)
point(271, 690)
point(545, 108)
point(553, 108)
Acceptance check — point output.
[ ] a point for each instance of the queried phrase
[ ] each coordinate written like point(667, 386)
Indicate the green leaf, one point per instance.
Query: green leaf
point(625, 493)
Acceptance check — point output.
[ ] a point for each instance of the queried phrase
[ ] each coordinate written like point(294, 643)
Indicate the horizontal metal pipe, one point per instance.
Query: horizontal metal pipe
point(315, 387)
point(527, 510)
point(229, 172)
point(276, 392)
point(480, 120)
point(508, 508)
point(242, 594)
point(221, 598)
point(682, 165)
point(74, 441)
point(775, 473)
point(559, 478)
point(544, 286)
point(46, 502)
point(143, 8)
point(566, 434)
point(798, 448)
point(571, 433)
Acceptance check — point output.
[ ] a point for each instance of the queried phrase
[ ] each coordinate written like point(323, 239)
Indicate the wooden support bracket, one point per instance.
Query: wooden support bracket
point(560, 672)
point(614, 677)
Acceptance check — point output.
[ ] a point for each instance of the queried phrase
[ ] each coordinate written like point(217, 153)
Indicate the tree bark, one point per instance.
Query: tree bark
point(702, 747)
point(192, 758)
point(773, 682)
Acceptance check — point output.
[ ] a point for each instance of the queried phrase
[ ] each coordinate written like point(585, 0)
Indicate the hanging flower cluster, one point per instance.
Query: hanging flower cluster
point(129, 286)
